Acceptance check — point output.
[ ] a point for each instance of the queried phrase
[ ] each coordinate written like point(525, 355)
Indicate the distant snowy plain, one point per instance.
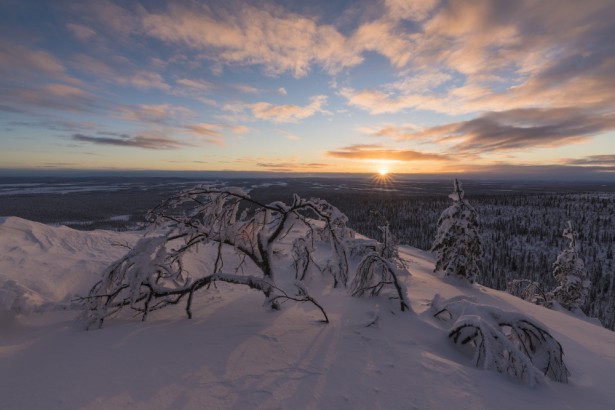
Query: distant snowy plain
point(236, 354)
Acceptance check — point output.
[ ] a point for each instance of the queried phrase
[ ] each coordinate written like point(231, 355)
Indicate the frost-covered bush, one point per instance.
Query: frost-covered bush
point(506, 342)
point(457, 245)
point(230, 225)
point(569, 271)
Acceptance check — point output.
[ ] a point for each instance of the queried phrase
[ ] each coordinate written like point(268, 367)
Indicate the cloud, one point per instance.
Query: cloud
point(210, 132)
point(282, 91)
point(288, 135)
point(475, 56)
point(382, 37)
point(114, 20)
point(145, 80)
point(405, 132)
point(244, 88)
point(158, 113)
point(380, 102)
point(375, 152)
point(241, 33)
point(288, 112)
point(409, 9)
point(597, 160)
point(50, 96)
point(291, 166)
point(32, 65)
point(519, 129)
point(195, 84)
point(118, 70)
point(139, 141)
point(83, 33)
point(214, 133)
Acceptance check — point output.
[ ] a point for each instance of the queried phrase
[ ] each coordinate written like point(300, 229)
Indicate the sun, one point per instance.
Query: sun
point(383, 171)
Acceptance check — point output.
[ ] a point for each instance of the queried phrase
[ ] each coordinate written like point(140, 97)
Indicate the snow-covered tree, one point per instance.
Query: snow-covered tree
point(379, 270)
point(457, 245)
point(233, 226)
point(569, 271)
point(528, 290)
point(506, 342)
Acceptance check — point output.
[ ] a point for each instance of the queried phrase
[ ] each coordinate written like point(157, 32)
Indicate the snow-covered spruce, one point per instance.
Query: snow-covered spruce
point(457, 245)
point(569, 271)
point(507, 342)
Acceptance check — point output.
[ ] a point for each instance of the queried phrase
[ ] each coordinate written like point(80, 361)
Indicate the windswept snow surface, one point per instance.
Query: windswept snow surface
point(235, 354)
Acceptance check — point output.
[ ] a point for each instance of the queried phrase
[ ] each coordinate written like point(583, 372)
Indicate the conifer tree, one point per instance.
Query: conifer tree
point(457, 245)
point(569, 271)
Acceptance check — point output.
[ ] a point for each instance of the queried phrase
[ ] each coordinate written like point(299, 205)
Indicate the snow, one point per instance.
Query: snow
point(235, 353)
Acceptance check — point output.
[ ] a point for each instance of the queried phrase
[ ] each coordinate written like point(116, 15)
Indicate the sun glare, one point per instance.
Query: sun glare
point(383, 171)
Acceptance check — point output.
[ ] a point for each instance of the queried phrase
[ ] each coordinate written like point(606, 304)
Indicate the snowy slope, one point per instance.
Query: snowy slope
point(236, 354)
point(52, 263)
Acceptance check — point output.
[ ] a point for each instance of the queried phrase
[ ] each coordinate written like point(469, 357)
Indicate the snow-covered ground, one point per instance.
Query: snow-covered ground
point(237, 354)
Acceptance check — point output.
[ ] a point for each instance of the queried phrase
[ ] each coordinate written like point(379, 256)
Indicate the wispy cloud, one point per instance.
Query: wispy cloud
point(157, 113)
point(516, 129)
point(138, 141)
point(214, 133)
point(32, 65)
point(376, 152)
point(288, 112)
point(291, 166)
point(242, 33)
point(245, 88)
point(50, 96)
point(80, 31)
point(597, 160)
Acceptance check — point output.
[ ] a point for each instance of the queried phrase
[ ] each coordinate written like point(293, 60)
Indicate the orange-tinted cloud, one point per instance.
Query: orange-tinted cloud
point(241, 33)
point(291, 166)
point(374, 152)
point(288, 112)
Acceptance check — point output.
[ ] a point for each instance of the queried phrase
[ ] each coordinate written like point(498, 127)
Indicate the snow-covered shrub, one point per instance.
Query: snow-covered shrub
point(380, 269)
point(529, 290)
point(457, 245)
point(375, 274)
point(226, 221)
point(569, 271)
point(507, 342)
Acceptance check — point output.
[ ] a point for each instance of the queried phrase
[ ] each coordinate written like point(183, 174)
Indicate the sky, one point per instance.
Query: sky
point(413, 87)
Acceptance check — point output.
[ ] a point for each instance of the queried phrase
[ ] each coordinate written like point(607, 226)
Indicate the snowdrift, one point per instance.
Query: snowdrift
point(236, 354)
